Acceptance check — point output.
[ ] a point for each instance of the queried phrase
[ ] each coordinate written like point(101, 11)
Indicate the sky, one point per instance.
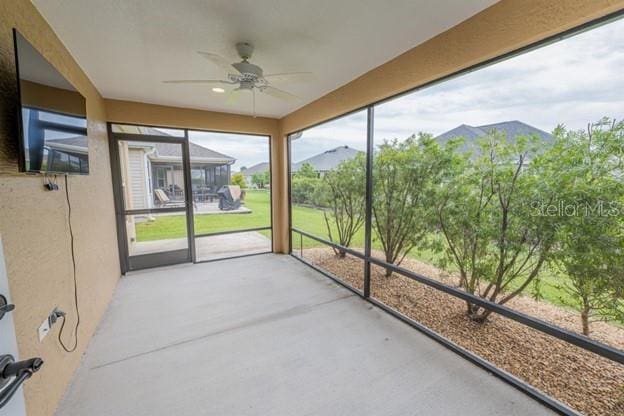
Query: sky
point(573, 82)
point(248, 150)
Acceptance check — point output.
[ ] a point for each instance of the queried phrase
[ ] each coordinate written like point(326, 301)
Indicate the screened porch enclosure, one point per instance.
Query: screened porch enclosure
point(206, 179)
point(161, 222)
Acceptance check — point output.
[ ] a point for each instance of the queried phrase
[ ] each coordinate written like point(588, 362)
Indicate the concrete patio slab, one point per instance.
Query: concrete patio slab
point(209, 248)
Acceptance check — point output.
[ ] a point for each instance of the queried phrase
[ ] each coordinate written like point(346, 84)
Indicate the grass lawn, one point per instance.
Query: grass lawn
point(174, 226)
point(310, 220)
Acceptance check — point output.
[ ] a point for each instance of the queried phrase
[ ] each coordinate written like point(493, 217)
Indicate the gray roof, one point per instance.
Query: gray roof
point(174, 149)
point(163, 149)
point(257, 168)
point(329, 159)
point(511, 129)
point(78, 141)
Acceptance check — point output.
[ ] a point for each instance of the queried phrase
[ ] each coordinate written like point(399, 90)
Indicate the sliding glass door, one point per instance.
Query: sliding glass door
point(231, 182)
point(185, 195)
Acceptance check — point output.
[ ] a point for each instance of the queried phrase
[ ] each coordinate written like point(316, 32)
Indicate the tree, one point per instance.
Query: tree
point(484, 215)
point(306, 171)
point(261, 179)
point(404, 176)
point(302, 190)
point(303, 185)
point(589, 166)
point(239, 179)
point(346, 197)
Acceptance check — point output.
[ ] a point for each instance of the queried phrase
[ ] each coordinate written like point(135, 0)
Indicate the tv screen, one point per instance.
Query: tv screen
point(53, 121)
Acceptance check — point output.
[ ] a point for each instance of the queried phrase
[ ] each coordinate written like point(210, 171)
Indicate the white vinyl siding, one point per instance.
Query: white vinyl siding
point(137, 172)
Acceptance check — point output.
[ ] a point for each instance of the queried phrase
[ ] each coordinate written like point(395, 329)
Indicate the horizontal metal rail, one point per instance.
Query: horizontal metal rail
point(239, 256)
point(62, 127)
point(330, 275)
point(542, 326)
point(514, 381)
point(244, 230)
point(150, 138)
point(163, 210)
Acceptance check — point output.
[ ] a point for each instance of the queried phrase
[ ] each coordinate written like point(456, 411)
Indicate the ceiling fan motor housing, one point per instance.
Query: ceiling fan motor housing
point(245, 50)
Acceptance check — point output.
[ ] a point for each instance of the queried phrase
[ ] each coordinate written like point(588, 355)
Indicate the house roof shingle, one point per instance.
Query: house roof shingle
point(257, 168)
point(196, 151)
point(511, 129)
point(329, 159)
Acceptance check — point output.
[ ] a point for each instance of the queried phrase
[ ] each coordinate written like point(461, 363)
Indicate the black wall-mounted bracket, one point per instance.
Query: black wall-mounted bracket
point(5, 306)
point(19, 371)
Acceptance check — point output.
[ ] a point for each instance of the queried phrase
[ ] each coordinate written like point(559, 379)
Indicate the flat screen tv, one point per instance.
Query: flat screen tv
point(52, 116)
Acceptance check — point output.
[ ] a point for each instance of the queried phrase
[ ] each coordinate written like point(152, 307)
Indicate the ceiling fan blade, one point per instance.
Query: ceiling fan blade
point(195, 81)
point(290, 77)
point(280, 94)
point(219, 61)
point(233, 96)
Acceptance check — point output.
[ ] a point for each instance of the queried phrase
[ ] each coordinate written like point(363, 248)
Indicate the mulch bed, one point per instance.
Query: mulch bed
point(584, 381)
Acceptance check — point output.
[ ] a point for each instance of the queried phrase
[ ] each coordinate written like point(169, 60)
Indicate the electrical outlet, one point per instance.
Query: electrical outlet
point(44, 328)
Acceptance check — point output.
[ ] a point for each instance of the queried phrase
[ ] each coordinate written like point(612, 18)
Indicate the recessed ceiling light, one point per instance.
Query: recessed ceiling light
point(218, 89)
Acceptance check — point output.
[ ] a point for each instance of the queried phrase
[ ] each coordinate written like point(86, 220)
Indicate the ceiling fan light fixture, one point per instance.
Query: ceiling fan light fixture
point(245, 76)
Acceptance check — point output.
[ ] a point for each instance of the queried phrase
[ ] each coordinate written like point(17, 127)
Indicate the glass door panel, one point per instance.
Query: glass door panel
point(230, 176)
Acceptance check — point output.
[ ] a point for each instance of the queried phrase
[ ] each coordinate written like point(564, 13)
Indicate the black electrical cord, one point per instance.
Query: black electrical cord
point(73, 257)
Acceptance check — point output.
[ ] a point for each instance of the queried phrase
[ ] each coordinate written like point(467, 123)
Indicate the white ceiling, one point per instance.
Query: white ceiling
point(127, 48)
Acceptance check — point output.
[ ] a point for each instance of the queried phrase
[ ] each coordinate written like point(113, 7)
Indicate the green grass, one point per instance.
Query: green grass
point(310, 220)
point(174, 226)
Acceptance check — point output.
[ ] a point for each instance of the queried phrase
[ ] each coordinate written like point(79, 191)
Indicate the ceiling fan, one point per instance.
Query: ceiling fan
point(246, 76)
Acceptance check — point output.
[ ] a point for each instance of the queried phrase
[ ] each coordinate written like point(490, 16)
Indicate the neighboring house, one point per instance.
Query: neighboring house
point(149, 166)
point(159, 166)
point(328, 160)
point(511, 129)
point(252, 170)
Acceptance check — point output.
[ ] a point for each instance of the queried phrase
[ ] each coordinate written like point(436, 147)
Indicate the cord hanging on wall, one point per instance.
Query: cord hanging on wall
point(73, 257)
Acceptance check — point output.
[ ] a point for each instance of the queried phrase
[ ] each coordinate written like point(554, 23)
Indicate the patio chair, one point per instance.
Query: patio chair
point(164, 201)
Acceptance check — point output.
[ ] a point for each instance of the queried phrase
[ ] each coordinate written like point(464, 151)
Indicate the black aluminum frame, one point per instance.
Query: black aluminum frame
point(144, 261)
point(570, 337)
point(580, 341)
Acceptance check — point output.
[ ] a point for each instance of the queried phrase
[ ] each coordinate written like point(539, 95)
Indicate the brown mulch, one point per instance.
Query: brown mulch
point(584, 381)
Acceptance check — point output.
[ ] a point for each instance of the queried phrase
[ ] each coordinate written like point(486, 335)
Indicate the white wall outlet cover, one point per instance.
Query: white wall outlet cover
point(43, 330)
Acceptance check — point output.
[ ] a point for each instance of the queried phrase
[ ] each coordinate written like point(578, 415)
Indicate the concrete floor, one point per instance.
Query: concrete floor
point(266, 335)
point(228, 245)
point(208, 248)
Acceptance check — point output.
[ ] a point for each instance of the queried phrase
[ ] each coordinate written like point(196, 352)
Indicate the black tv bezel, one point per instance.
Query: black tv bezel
point(20, 121)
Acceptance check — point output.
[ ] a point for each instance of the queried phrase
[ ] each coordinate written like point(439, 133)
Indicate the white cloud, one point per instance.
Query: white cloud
point(575, 81)
point(248, 150)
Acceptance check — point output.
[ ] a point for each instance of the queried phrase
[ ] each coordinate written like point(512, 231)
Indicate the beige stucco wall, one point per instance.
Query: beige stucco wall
point(33, 222)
